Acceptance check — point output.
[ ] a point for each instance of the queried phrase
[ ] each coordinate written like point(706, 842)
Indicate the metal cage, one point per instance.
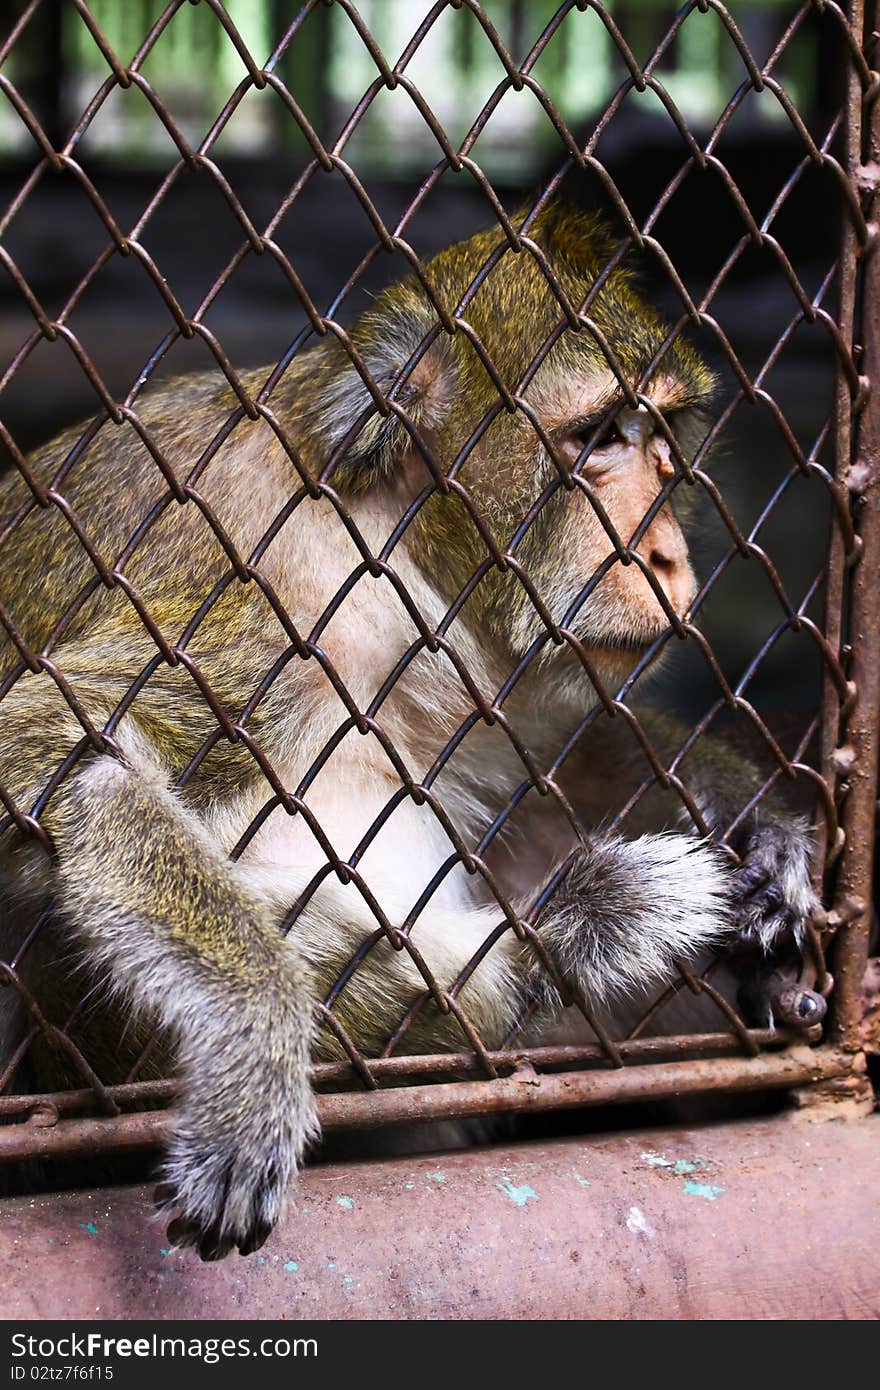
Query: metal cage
point(57, 94)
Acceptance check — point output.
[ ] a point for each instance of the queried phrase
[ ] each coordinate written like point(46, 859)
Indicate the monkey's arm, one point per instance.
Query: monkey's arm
point(159, 907)
point(151, 902)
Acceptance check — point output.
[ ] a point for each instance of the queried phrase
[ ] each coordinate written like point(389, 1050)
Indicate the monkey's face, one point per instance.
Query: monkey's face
point(617, 563)
point(603, 552)
point(526, 416)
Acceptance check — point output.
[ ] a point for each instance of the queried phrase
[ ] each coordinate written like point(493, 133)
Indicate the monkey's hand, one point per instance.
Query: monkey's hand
point(772, 894)
point(246, 1116)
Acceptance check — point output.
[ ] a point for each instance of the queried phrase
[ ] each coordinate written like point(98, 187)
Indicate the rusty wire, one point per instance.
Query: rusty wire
point(829, 307)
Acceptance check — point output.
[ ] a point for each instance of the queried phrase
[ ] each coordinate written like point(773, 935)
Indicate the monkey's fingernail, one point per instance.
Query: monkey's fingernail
point(179, 1233)
point(254, 1241)
point(213, 1246)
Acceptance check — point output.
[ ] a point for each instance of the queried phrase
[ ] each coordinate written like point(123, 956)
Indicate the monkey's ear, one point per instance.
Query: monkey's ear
point(385, 337)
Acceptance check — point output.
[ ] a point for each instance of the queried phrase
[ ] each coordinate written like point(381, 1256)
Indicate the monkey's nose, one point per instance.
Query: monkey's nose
point(667, 555)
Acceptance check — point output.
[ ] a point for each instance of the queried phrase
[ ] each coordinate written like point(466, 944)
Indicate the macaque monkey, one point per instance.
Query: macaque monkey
point(192, 846)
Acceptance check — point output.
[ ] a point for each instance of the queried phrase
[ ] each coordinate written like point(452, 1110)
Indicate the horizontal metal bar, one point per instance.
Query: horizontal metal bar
point(525, 1090)
point(146, 1094)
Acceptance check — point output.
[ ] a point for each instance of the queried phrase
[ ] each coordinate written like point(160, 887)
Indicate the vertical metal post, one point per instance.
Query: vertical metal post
point(836, 591)
point(856, 874)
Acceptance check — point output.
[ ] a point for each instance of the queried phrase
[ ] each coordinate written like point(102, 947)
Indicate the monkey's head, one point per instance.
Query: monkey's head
point(578, 427)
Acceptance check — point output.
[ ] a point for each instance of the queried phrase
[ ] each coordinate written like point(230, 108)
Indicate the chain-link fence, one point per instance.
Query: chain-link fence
point(144, 235)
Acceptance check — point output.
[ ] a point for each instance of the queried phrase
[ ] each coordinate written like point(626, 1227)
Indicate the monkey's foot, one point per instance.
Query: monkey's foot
point(772, 894)
point(225, 1178)
point(224, 1196)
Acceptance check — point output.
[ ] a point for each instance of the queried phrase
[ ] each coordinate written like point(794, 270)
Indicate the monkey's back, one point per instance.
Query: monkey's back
point(111, 504)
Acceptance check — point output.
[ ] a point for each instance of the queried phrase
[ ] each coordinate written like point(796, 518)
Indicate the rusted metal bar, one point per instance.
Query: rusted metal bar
point(526, 1090)
point(758, 1220)
point(855, 883)
point(147, 1093)
point(836, 586)
point(533, 1091)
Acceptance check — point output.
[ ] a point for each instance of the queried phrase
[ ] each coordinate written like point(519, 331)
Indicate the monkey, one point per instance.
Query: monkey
point(279, 656)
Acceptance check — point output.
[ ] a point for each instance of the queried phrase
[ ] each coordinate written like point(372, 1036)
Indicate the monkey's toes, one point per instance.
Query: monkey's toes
point(216, 1207)
point(797, 1006)
point(770, 998)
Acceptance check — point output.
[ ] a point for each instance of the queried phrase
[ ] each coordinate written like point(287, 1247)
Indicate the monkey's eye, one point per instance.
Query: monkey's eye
point(612, 434)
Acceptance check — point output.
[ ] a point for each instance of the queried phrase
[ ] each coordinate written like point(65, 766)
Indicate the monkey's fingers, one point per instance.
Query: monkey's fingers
point(215, 1238)
point(771, 891)
point(211, 1243)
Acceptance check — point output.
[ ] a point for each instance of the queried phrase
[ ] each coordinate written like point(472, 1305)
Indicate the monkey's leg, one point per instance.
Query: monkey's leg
point(627, 910)
point(335, 923)
point(157, 904)
point(771, 893)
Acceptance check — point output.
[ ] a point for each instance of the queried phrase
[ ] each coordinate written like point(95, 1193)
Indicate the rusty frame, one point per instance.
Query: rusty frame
point(134, 1115)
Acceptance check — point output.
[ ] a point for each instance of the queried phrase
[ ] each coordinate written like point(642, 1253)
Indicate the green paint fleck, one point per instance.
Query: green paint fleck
point(347, 1279)
point(261, 1260)
point(518, 1195)
point(703, 1189)
point(163, 1251)
point(89, 1226)
point(291, 1265)
point(346, 1202)
point(409, 1186)
point(307, 1211)
point(331, 1264)
point(679, 1166)
point(437, 1177)
point(51, 1240)
point(584, 1182)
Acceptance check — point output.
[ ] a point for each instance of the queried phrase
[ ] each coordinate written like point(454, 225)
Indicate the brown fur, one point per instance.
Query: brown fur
point(146, 896)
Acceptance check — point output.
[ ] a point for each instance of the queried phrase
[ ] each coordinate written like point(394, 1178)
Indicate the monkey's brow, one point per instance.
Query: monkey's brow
point(594, 419)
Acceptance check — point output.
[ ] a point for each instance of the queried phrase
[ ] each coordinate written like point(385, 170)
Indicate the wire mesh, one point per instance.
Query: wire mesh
point(814, 478)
